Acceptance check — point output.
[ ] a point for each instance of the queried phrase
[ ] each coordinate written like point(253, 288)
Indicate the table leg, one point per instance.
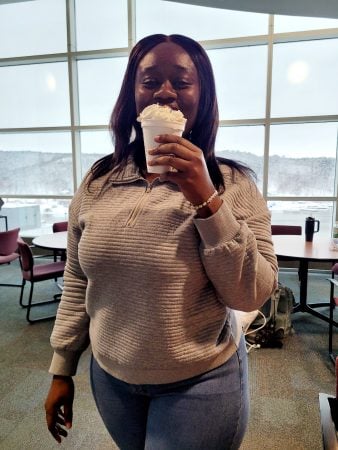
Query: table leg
point(303, 278)
point(303, 306)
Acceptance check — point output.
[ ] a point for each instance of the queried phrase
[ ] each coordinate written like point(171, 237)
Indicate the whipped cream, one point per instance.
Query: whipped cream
point(159, 112)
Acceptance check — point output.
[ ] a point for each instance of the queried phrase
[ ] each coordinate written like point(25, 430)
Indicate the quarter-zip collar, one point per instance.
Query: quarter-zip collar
point(131, 173)
point(127, 174)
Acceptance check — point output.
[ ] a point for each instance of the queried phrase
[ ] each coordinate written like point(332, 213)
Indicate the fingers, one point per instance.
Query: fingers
point(68, 415)
point(53, 427)
point(58, 406)
point(170, 143)
point(180, 155)
point(173, 138)
point(172, 151)
point(176, 164)
point(190, 163)
point(58, 433)
point(188, 168)
point(55, 421)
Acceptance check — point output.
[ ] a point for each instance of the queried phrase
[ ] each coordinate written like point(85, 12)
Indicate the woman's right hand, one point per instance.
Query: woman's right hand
point(59, 406)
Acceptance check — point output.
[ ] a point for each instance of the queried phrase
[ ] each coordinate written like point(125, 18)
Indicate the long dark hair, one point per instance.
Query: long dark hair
point(123, 118)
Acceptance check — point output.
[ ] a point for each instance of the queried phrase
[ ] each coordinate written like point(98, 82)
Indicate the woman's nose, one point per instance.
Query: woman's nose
point(166, 94)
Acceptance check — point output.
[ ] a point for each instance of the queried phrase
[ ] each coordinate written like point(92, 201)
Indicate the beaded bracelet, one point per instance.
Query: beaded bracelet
point(202, 205)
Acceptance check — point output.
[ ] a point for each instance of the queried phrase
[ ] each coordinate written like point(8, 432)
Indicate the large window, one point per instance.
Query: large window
point(101, 24)
point(33, 28)
point(302, 159)
point(99, 84)
point(61, 67)
point(304, 79)
point(244, 144)
point(36, 164)
point(240, 96)
point(34, 95)
point(94, 145)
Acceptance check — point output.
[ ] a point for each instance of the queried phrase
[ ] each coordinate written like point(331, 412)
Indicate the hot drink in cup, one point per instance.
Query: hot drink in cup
point(155, 120)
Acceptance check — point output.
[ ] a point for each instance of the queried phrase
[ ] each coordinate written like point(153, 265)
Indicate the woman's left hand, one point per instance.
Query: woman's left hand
point(190, 171)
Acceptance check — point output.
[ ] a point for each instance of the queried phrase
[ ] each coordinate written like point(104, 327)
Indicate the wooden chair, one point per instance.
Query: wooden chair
point(35, 273)
point(8, 249)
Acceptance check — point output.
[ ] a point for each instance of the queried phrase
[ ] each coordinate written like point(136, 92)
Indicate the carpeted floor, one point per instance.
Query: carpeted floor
point(284, 382)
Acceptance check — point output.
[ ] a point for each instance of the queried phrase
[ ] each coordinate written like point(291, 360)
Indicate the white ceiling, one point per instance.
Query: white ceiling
point(2, 2)
point(310, 8)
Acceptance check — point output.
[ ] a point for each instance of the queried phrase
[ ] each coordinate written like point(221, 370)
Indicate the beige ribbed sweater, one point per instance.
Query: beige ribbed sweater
point(151, 286)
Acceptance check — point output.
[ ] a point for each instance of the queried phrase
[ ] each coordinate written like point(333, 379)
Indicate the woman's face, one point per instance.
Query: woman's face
point(167, 75)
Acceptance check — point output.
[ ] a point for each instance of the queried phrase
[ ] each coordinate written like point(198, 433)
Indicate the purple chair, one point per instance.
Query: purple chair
point(286, 229)
point(333, 304)
point(8, 249)
point(60, 226)
point(34, 274)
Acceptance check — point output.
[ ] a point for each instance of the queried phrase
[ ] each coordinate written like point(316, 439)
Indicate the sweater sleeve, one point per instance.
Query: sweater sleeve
point(237, 249)
point(70, 335)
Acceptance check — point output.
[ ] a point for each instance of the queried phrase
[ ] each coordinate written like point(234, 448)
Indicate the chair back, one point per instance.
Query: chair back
point(26, 256)
point(334, 270)
point(60, 226)
point(286, 229)
point(8, 241)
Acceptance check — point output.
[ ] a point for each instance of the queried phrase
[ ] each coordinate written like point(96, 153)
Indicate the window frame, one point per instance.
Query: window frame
point(72, 56)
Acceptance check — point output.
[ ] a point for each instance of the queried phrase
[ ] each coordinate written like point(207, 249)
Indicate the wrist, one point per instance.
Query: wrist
point(211, 208)
point(62, 377)
point(206, 202)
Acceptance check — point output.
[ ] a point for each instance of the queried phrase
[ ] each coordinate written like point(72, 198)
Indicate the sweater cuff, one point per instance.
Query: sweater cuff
point(64, 363)
point(219, 228)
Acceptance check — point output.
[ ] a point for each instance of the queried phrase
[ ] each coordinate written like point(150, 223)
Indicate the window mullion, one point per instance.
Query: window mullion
point(268, 108)
point(131, 24)
point(73, 93)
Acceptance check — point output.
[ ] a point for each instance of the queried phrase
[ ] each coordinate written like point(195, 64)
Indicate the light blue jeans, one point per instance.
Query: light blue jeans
point(206, 412)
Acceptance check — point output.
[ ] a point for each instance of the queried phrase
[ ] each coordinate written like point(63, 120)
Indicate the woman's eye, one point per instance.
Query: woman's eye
point(181, 84)
point(149, 83)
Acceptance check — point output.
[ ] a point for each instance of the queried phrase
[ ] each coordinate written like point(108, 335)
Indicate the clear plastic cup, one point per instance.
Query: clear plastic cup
point(152, 128)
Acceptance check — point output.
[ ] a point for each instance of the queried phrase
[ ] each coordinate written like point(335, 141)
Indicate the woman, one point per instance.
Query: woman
point(156, 265)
